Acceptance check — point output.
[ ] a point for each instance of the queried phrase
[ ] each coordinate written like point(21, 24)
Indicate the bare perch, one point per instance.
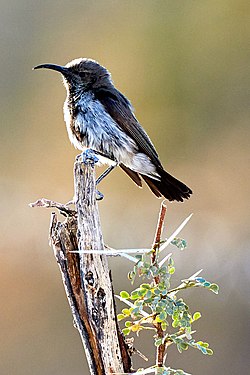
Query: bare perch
point(86, 277)
point(95, 273)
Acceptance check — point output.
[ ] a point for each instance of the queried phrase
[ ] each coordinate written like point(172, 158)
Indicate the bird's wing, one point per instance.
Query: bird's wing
point(119, 108)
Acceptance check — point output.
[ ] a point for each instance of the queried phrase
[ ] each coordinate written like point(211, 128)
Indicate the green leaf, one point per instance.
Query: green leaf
point(214, 288)
point(126, 312)
point(196, 316)
point(163, 270)
point(135, 327)
point(164, 325)
point(170, 262)
point(148, 300)
point(154, 270)
point(179, 348)
point(134, 295)
point(148, 294)
point(163, 315)
point(138, 303)
point(209, 351)
point(205, 344)
point(126, 331)
point(161, 286)
point(175, 323)
point(157, 291)
point(200, 280)
point(158, 342)
point(135, 311)
point(120, 317)
point(180, 243)
point(180, 302)
point(145, 286)
point(171, 270)
point(124, 294)
point(128, 324)
point(183, 345)
point(204, 350)
point(207, 284)
point(157, 319)
point(142, 292)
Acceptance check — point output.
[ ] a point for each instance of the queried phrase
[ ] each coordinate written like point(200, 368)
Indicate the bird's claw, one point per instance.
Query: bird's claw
point(99, 195)
point(89, 157)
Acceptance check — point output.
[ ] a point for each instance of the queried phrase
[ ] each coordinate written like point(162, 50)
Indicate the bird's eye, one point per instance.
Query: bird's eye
point(83, 73)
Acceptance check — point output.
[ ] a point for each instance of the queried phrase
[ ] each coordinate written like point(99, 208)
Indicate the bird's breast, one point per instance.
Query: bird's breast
point(90, 126)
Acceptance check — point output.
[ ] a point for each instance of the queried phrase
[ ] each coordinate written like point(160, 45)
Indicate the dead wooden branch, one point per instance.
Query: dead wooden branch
point(47, 203)
point(86, 277)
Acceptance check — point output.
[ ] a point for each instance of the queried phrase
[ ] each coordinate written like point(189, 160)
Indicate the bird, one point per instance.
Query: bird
point(100, 118)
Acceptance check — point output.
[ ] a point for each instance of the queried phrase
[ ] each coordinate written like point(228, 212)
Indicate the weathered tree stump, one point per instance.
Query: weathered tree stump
point(86, 277)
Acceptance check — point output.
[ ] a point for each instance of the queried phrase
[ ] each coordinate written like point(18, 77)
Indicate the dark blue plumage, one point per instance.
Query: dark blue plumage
point(101, 118)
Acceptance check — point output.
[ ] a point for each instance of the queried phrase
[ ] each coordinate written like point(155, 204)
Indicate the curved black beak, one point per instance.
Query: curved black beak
point(58, 68)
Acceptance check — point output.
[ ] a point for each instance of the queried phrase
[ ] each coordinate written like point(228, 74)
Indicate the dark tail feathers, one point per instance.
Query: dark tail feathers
point(168, 186)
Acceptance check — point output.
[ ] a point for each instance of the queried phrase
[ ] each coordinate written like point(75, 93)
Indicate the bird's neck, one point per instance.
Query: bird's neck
point(78, 100)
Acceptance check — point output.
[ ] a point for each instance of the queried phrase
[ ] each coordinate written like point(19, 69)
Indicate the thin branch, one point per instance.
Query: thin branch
point(160, 352)
point(158, 231)
point(47, 203)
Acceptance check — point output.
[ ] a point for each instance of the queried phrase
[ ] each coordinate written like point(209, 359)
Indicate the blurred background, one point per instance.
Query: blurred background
point(185, 67)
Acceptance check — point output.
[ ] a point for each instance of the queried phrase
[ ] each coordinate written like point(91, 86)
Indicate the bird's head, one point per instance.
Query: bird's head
point(81, 74)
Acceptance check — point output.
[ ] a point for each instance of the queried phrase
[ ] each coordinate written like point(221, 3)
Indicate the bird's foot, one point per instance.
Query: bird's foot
point(89, 157)
point(98, 195)
point(105, 173)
